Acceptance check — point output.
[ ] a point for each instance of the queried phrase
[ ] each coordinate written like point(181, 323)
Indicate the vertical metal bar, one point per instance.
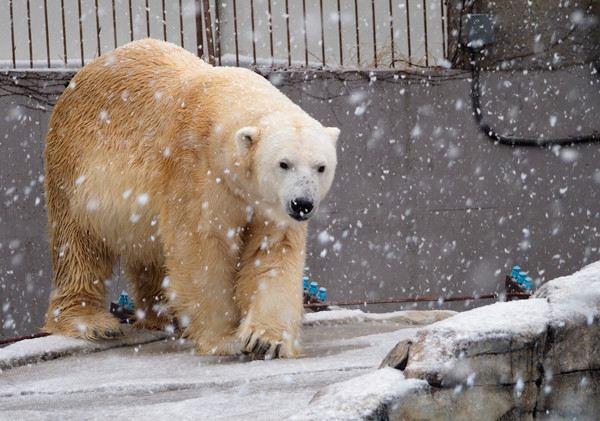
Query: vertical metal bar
point(425, 32)
point(253, 33)
point(357, 32)
point(374, 33)
point(443, 28)
point(408, 32)
point(199, 31)
point(305, 33)
point(393, 64)
point(287, 29)
point(12, 34)
point(80, 32)
point(98, 29)
point(181, 25)
point(47, 32)
point(29, 35)
point(164, 19)
point(270, 25)
point(218, 31)
point(235, 34)
point(322, 33)
point(208, 31)
point(114, 16)
point(339, 10)
point(130, 21)
point(64, 30)
point(147, 19)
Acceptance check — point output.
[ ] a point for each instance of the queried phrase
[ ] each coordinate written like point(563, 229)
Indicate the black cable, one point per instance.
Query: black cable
point(510, 140)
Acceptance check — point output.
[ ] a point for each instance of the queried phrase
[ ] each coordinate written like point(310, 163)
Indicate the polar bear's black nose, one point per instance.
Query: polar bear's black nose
point(301, 207)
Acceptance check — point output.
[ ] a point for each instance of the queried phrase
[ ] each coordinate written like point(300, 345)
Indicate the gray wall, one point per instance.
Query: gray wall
point(422, 204)
point(25, 268)
point(433, 207)
point(533, 34)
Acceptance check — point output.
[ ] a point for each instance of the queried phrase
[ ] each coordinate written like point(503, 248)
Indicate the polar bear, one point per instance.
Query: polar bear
point(200, 179)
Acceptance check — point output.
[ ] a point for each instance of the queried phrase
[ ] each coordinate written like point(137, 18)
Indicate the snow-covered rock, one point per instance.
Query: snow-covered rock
point(363, 397)
point(524, 359)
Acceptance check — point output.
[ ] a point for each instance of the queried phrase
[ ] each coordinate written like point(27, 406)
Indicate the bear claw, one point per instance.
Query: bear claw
point(260, 350)
point(112, 333)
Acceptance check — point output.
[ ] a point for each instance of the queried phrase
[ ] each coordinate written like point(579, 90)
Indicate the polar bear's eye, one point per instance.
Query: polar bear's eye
point(284, 165)
point(321, 169)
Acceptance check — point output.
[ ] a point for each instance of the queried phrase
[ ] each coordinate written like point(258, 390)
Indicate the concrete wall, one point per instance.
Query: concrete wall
point(537, 34)
point(422, 204)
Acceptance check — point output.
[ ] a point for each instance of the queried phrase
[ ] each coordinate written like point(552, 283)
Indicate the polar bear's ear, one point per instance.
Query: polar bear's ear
point(245, 137)
point(334, 133)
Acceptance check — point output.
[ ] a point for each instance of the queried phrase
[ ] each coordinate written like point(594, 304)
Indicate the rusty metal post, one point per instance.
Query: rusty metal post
point(341, 47)
point(287, 30)
point(64, 30)
point(130, 21)
point(235, 35)
point(79, 18)
point(408, 33)
point(97, 28)
point(374, 33)
point(393, 58)
point(29, 35)
point(425, 33)
point(357, 33)
point(47, 33)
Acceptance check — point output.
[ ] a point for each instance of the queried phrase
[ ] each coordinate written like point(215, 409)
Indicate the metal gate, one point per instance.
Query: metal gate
point(280, 33)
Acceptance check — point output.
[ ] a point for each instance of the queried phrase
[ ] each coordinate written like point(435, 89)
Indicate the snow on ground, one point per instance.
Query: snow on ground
point(139, 379)
point(146, 376)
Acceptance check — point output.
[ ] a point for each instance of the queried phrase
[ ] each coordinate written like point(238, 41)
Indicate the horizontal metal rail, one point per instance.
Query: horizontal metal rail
point(495, 295)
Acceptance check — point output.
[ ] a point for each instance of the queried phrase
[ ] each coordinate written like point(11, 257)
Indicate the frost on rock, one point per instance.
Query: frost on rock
point(362, 397)
point(448, 352)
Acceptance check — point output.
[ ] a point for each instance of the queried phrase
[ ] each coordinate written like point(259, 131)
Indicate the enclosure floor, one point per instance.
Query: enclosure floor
point(164, 378)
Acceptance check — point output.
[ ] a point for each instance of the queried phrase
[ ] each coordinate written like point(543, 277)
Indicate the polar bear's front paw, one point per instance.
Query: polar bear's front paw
point(261, 343)
point(260, 348)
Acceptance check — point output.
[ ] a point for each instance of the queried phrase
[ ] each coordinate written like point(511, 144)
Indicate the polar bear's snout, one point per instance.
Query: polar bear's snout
point(301, 208)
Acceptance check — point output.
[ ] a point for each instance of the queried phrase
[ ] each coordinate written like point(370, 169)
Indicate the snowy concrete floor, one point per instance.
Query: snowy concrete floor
point(163, 378)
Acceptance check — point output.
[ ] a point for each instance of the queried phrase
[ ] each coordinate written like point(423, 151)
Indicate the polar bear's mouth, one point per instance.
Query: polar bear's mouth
point(301, 208)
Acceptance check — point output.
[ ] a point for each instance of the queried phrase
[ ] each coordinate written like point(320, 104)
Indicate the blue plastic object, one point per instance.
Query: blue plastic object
point(306, 282)
point(515, 272)
point(314, 288)
point(521, 278)
point(124, 300)
point(528, 283)
point(322, 294)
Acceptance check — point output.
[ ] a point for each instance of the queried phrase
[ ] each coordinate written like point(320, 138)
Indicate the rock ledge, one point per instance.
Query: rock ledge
point(517, 360)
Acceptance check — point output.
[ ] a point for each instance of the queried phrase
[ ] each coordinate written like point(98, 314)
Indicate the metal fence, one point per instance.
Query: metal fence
point(285, 33)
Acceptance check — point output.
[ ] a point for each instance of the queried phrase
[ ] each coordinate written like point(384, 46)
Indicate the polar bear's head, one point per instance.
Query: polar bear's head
point(292, 162)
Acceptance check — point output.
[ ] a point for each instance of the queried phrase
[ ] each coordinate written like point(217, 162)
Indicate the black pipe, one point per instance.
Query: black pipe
point(510, 140)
